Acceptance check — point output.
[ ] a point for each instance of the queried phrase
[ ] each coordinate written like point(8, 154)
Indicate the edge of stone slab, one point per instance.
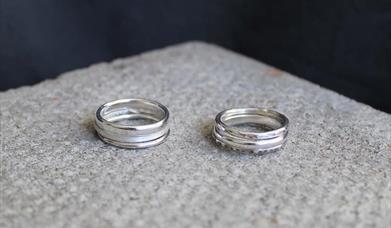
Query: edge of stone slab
point(195, 43)
point(116, 61)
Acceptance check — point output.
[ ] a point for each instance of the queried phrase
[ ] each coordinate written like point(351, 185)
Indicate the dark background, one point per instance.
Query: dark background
point(341, 45)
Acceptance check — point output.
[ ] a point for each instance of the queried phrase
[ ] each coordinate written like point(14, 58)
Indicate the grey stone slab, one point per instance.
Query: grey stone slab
point(55, 172)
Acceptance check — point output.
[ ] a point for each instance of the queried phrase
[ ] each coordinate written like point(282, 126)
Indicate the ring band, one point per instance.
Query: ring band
point(270, 134)
point(112, 123)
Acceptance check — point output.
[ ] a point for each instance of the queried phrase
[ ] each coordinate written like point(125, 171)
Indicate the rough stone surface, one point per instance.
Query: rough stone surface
point(55, 172)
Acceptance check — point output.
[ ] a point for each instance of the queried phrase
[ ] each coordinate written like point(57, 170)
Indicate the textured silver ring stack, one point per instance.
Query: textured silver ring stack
point(114, 123)
point(270, 134)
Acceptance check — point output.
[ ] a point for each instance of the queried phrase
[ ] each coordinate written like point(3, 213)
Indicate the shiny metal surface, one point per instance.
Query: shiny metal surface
point(115, 123)
point(255, 130)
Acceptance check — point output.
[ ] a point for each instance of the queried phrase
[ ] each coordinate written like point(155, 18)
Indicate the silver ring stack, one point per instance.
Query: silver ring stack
point(113, 123)
point(270, 134)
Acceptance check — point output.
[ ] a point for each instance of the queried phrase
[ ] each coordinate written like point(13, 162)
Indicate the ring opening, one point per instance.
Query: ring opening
point(252, 122)
point(133, 113)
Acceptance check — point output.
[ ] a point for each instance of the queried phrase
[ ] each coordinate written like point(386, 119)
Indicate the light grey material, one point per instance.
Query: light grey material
point(333, 172)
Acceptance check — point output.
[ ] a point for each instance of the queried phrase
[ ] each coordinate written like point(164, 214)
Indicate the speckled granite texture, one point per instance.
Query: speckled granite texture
point(55, 172)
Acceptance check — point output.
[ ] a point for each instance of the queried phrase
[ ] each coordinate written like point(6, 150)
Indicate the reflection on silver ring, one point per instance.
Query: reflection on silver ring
point(271, 132)
point(113, 123)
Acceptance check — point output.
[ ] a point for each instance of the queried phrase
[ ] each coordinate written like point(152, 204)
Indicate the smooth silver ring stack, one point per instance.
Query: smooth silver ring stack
point(112, 123)
point(270, 134)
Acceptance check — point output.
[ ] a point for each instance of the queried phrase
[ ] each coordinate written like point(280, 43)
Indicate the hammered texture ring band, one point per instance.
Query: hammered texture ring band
point(254, 130)
point(132, 123)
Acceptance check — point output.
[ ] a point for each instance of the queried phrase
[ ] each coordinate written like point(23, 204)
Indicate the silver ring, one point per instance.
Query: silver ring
point(269, 129)
point(114, 123)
